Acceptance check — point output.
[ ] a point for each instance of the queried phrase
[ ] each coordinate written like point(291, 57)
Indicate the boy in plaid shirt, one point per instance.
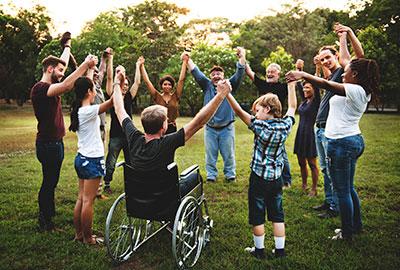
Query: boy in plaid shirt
point(265, 188)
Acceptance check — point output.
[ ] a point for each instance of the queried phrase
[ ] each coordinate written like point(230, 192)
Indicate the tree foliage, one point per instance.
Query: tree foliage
point(21, 39)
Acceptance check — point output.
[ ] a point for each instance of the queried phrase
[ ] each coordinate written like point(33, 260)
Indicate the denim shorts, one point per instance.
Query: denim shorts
point(265, 195)
point(89, 168)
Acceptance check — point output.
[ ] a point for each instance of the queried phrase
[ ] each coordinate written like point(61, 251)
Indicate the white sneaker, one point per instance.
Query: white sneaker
point(337, 231)
point(338, 236)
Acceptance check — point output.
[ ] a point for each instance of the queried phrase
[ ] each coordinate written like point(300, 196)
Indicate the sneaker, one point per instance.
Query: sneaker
point(321, 207)
point(210, 180)
point(108, 190)
point(329, 214)
point(231, 179)
point(258, 253)
point(339, 236)
point(279, 253)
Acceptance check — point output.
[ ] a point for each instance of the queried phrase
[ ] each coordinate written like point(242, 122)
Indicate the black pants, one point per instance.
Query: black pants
point(50, 155)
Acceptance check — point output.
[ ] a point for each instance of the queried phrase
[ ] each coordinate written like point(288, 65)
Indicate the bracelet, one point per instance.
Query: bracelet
point(66, 45)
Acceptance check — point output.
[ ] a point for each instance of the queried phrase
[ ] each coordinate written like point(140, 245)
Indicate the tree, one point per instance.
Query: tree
point(296, 29)
point(377, 46)
point(22, 37)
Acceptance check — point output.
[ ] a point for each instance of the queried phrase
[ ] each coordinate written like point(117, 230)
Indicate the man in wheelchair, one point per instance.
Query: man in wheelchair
point(153, 150)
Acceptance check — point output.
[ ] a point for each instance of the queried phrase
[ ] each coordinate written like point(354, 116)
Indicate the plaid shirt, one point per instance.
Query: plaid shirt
point(269, 138)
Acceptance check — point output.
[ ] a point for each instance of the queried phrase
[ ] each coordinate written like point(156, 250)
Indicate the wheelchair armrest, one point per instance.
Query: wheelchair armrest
point(119, 164)
point(189, 170)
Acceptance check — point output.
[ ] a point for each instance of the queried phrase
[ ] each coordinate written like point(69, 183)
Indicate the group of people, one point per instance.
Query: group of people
point(348, 83)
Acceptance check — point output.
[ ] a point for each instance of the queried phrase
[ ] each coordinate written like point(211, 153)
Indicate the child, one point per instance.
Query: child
point(265, 188)
point(89, 162)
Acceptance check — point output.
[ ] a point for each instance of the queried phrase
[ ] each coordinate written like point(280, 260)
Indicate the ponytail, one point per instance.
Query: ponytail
point(77, 103)
point(81, 87)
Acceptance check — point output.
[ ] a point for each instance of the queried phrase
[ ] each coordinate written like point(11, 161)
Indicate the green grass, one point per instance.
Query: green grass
point(308, 247)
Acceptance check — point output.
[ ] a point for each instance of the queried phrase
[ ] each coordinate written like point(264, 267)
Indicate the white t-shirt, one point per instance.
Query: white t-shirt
point(345, 112)
point(89, 137)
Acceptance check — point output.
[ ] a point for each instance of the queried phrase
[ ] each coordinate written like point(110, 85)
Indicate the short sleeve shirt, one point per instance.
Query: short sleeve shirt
point(155, 154)
point(90, 143)
point(48, 113)
point(346, 111)
point(269, 138)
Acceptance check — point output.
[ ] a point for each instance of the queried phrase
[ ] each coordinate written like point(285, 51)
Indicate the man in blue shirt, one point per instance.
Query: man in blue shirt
point(219, 134)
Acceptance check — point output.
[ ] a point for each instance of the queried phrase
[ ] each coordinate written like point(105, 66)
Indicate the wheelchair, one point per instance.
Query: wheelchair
point(152, 202)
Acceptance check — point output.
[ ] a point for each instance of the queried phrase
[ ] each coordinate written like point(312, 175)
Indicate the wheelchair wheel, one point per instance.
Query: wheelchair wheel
point(118, 234)
point(187, 237)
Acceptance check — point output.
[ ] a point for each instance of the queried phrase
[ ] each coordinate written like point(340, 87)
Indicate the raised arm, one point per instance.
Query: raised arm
point(292, 101)
point(118, 100)
point(245, 116)
point(106, 105)
point(344, 54)
point(145, 76)
point(136, 83)
point(335, 87)
point(110, 74)
point(202, 117)
point(182, 75)
point(355, 43)
point(236, 79)
point(249, 72)
point(103, 64)
point(66, 53)
point(57, 89)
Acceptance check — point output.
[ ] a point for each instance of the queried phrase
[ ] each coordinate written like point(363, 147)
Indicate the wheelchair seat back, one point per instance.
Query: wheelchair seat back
point(153, 194)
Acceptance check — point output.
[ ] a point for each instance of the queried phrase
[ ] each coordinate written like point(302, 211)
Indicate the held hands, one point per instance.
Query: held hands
point(107, 53)
point(91, 61)
point(241, 52)
point(299, 64)
point(341, 29)
point(292, 76)
point(224, 87)
point(185, 56)
point(140, 61)
point(121, 79)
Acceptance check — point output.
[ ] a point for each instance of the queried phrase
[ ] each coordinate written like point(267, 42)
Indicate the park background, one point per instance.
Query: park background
point(153, 29)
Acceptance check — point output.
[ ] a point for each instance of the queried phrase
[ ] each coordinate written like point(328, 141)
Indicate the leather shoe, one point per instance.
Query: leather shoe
point(329, 214)
point(321, 207)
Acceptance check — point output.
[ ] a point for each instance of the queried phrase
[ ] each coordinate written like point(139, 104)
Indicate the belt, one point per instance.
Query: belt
point(321, 125)
point(221, 127)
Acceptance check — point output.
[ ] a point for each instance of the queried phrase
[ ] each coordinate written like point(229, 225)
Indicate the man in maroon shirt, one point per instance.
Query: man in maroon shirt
point(46, 101)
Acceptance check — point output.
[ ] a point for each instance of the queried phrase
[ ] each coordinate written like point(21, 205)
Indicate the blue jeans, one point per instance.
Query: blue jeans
point(322, 143)
point(114, 148)
point(222, 140)
point(51, 156)
point(342, 157)
point(286, 176)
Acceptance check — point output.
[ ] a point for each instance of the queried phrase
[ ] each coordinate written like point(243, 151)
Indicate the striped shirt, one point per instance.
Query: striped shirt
point(269, 138)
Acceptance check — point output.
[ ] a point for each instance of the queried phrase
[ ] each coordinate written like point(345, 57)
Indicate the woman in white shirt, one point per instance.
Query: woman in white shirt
point(345, 143)
point(89, 161)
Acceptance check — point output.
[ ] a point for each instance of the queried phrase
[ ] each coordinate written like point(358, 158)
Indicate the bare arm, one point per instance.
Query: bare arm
point(106, 105)
point(245, 116)
point(337, 88)
point(191, 64)
point(102, 69)
point(110, 75)
point(249, 72)
point(344, 54)
point(90, 73)
point(292, 101)
point(66, 53)
point(118, 100)
point(136, 83)
point(202, 117)
point(57, 89)
point(150, 86)
point(182, 76)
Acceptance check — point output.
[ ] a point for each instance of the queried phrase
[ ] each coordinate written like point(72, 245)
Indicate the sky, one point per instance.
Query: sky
point(73, 14)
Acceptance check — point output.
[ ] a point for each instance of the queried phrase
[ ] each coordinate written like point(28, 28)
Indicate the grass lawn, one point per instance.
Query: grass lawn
point(307, 245)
